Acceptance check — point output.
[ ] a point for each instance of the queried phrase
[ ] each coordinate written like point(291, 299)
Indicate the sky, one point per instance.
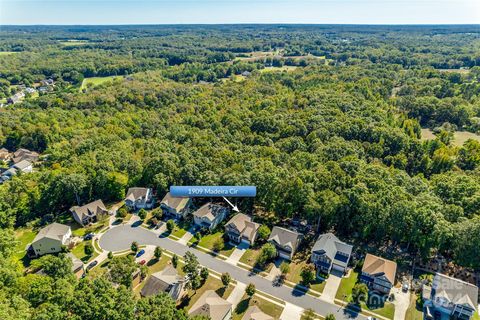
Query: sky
point(92, 12)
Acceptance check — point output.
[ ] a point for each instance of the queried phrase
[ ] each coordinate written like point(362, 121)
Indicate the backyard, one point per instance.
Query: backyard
point(24, 236)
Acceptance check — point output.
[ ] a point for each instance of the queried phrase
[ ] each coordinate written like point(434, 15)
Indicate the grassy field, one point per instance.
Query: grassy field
point(283, 68)
point(96, 81)
point(79, 252)
point(208, 241)
point(7, 53)
point(70, 43)
point(180, 229)
point(211, 284)
point(459, 137)
point(413, 313)
point(24, 236)
point(267, 307)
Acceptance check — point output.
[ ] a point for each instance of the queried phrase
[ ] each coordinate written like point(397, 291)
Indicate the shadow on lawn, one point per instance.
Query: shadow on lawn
point(242, 306)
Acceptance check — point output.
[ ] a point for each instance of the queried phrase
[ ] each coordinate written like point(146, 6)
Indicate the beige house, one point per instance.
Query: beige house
point(177, 207)
point(4, 154)
point(89, 213)
point(209, 215)
point(78, 267)
point(254, 313)
point(168, 280)
point(139, 198)
point(50, 239)
point(241, 228)
point(25, 154)
point(378, 273)
point(213, 306)
point(286, 241)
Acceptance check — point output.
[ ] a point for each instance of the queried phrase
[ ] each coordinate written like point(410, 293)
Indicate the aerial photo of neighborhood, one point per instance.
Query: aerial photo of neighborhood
point(216, 160)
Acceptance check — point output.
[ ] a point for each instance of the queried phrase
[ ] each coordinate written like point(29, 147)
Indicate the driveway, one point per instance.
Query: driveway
point(236, 296)
point(237, 253)
point(120, 238)
point(291, 312)
point(187, 236)
point(331, 288)
point(401, 302)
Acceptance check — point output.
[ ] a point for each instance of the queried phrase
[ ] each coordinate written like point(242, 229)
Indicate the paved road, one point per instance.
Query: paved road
point(120, 238)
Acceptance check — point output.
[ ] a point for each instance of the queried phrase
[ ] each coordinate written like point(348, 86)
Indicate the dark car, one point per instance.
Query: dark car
point(89, 236)
point(140, 253)
point(92, 264)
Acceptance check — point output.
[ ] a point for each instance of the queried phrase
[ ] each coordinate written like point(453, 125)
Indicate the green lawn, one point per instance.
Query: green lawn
point(96, 81)
point(250, 256)
point(180, 229)
point(413, 313)
point(211, 284)
point(79, 252)
point(294, 276)
point(476, 316)
point(208, 240)
point(24, 236)
point(7, 53)
point(268, 307)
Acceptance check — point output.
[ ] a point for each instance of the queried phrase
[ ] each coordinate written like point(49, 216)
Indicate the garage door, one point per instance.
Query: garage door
point(284, 255)
point(338, 268)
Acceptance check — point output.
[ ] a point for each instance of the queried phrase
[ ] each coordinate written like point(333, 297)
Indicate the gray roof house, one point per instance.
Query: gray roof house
point(24, 166)
point(286, 241)
point(178, 207)
point(25, 154)
point(168, 280)
point(77, 265)
point(139, 198)
point(329, 253)
point(241, 228)
point(50, 239)
point(450, 297)
point(211, 305)
point(209, 215)
point(89, 213)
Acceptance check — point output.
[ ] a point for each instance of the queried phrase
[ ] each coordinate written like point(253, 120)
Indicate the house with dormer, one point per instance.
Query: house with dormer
point(210, 215)
point(329, 253)
point(176, 207)
point(241, 228)
point(285, 241)
point(89, 213)
point(139, 198)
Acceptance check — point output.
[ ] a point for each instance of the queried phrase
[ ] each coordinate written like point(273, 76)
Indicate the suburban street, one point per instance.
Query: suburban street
point(120, 237)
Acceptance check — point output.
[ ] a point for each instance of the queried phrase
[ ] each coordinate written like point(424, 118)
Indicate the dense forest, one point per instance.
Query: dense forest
point(337, 139)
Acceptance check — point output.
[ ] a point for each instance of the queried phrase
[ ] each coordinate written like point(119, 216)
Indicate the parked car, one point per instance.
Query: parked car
point(140, 253)
point(405, 286)
point(142, 262)
point(92, 264)
point(89, 236)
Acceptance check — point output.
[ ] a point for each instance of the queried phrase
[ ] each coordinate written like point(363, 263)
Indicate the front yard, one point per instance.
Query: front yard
point(294, 276)
point(180, 229)
point(79, 252)
point(208, 242)
point(211, 284)
point(267, 307)
point(250, 258)
point(413, 312)
point(344, 293)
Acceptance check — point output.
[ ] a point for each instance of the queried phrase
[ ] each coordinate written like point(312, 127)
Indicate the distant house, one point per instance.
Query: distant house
point(47, 82)
point(24, 166)
point(246, 73)
point(450, 298)
point(50, 239)
point(4, 154)
point(378, 273)
point(286, 241)
point(212, 306)
point(168, 280)
point(8, 174)
point(43, 89)
point(241, 228)
point(329, 253)
point(30, 90)
point(89, 213)
point(175, 206)
point(78, 267)
point(255, 313)
point(17, 97)
point(209, 215)
point(139, 198)
point(25, 154)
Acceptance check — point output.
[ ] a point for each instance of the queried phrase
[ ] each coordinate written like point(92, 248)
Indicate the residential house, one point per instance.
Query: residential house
point(30, 90)
point(255, 313)
point(16, 98)
point(78, 267)
point(209, 215)
point(212, 306)
point(4, 154)
point(25, 166)
point(50, 239)
point(329, 253)
point(168, 280)
point(8, 174)
point(25, 154)
point(89, 213)
point(450, 298)
point(378, 273)
point(47, 82)
point(246, 73)
point(241, 228)
point(177, 207)
point(43, 89)
point(286, 241)
point(139, 198)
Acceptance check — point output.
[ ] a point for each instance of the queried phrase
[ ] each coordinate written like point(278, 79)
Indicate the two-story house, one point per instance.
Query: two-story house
point(210, 215)
point(24, 166)
point(241, 228)
point(50, 239)
point(378, 273)
point(286, 241)
point(450, 297)
point(89, 213)
point(176, 207)
point(329, 253)
point(168, 280)
point(139, 198)
point(25, 154)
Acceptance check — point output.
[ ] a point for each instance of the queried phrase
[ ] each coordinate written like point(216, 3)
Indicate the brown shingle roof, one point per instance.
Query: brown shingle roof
point(211, 305)
point(374, 265)
point(244, 225)
point(178, 203)
point(254, 313)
